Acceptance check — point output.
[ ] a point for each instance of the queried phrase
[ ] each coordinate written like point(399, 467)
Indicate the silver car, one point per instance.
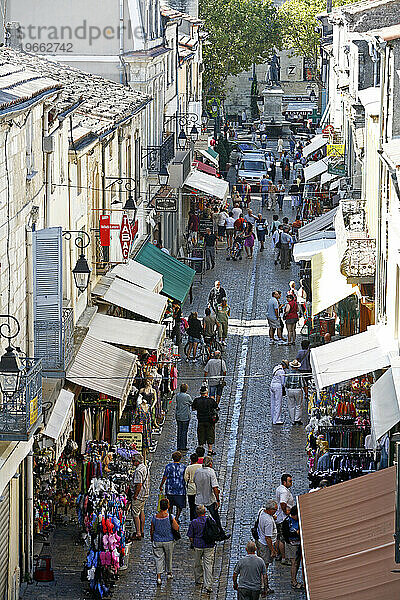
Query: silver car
point(252, 168)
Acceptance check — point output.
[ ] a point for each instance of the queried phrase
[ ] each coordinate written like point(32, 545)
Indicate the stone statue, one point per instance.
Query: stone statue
point(274, 71)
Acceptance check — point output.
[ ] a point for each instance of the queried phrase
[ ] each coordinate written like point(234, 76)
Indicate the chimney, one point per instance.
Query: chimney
point(13, 36)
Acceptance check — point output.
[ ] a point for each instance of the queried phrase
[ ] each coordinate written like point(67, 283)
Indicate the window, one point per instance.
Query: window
point(253, 165)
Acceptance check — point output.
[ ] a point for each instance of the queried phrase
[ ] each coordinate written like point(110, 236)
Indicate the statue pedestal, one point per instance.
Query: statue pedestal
point(272, 112)
point(272, 116)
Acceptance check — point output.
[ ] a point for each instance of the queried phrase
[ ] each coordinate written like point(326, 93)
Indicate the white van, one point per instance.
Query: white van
point(252, 168)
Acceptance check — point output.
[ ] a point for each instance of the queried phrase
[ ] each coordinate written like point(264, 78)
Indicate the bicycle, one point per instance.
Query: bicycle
point(210, 346)
point(199, 350)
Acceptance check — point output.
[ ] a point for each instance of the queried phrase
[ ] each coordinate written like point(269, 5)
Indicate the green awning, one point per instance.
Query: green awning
point(177, 277)
point(212, 152)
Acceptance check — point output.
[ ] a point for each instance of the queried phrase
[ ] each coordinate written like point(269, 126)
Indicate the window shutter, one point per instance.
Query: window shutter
point(47, 299)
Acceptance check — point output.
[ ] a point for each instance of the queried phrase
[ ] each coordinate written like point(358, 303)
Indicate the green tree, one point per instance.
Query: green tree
point(223, 147)
point(300, 29)
point(240, 33)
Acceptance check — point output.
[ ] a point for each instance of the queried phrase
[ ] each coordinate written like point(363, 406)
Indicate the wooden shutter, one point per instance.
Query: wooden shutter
point(47, 299)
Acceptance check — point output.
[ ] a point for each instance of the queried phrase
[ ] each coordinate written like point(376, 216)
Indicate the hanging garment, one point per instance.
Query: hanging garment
point(87, 434)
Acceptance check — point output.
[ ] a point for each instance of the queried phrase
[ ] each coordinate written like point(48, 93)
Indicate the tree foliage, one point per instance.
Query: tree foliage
point(240, 33)
point(300, 28)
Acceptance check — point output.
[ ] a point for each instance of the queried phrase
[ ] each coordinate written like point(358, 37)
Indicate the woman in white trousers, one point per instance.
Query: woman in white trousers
point(276, 391)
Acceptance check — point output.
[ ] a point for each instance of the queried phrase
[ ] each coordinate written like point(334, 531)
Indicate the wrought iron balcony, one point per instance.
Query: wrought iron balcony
point(21, 413)
point(58, 344)
point(160, 156)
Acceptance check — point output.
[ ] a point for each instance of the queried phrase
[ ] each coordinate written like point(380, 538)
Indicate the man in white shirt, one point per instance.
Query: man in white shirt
point(236, 212)
point(267, 534)
point(207, 492)
point(285, 502)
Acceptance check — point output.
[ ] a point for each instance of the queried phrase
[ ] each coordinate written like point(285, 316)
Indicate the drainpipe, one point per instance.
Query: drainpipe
point(29, 510)
point(48, 157)
point(382, 117)
point(29, 291)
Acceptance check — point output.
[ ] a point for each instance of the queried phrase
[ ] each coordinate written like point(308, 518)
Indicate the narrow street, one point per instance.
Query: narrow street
point(251, 454)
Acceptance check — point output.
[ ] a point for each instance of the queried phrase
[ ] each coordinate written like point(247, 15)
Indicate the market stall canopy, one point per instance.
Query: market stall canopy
point(315, 169)
point(11, 456)
point(327, 177)
point(210, 155)
point(104, 368)
point(212, 186)
point(140, 275)
point(385, 395)
point(205, 168)
point(127, 332)
point(61, 421)
point(352, 356)
point(350, 556)
point(177, 277)
point(324, 223)
point(136, 299)
point(306, 250)
point(329, 286)
point(317, 142)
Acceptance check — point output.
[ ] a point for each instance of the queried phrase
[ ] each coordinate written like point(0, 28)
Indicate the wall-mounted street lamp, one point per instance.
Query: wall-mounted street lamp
point(11, 369)
point(81, 271)
point(129, 186)
point(184, 121)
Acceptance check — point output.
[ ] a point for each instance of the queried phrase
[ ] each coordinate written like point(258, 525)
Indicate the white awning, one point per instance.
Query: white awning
point(11, 456)
point(322, 223)
point(213, 186)
point(318, 142)
point(353, 356)
point(140, 275)
point(104, 368)
point(314, 169)
point(208, 156)
point(61, 421)
point(385, 410)
point(136, 299)
point(329, 286)
point(327, 177)
point(306, 250)
point(125, 332)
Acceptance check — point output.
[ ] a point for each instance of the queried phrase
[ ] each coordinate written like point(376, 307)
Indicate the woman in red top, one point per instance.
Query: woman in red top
point(291, 318)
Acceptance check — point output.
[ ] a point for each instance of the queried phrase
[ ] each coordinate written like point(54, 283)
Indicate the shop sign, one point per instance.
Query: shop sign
point(335, 150)
point(204, 224)
point(328, 130)
point(131, 438)
point(337, 168)
point(167, 204)
point(33, 410)
point(125, 237)
point(105, 229)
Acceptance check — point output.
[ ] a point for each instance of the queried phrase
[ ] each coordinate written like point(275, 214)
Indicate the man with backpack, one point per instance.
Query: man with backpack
point(207, 493)
point(203, 549)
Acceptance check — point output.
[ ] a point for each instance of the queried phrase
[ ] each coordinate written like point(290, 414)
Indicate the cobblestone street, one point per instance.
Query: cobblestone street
point(251, 454)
